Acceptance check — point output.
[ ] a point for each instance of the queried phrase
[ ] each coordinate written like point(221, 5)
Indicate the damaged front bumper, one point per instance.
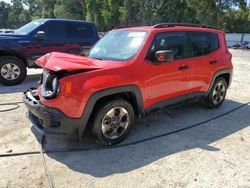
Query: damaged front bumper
point(48, 120)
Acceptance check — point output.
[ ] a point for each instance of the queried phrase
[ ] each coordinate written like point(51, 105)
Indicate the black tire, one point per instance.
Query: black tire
point(210, 100)
point(101, 113)
point(13, 61)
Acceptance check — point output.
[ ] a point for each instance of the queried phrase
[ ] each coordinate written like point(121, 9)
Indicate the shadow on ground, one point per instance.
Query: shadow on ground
point(30, 81)
point(105, 162)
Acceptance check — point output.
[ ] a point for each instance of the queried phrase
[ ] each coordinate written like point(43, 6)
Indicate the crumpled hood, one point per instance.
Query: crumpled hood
point(56, 61)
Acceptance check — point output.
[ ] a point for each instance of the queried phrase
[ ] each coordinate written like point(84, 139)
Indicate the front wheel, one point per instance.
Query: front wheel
point(112, 122)
point(12, 70)
point(217, 94)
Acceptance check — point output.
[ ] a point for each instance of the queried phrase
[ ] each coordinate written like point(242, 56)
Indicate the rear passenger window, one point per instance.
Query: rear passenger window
point(174, 41)
point(52, 31)
point(202, 43)
point(79, 30)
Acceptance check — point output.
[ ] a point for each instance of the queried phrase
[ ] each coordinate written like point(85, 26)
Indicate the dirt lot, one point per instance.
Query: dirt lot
point(214, 153)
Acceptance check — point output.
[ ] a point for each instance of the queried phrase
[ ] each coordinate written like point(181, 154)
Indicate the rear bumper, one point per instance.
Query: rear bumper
point(49, 120)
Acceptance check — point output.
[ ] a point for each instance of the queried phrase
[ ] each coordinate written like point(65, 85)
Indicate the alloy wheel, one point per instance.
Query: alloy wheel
point(10, 71)
point(115, 122)
point(219, 93)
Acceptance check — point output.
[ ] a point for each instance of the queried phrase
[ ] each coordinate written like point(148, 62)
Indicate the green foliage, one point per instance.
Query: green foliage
point(230, 15)
point(73, 9)
point(94, 12)
point(16, 15)
point(237, 21)
point(4, 14)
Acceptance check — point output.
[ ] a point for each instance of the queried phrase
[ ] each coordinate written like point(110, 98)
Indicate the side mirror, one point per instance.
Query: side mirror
point(164, 56)
point(40, 35)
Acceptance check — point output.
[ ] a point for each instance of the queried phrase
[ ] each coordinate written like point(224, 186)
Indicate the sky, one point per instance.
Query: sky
point(8, 1)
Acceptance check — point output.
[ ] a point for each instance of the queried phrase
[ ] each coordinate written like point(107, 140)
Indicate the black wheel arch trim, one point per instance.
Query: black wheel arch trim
point(217, 74)
point(105, 93)
point(14, 54)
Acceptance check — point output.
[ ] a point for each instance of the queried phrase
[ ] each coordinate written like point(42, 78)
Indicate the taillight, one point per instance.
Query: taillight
point(50, 85)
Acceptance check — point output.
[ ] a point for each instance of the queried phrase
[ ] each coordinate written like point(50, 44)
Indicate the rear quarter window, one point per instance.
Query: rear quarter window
point(214, 41)
point(202, 43)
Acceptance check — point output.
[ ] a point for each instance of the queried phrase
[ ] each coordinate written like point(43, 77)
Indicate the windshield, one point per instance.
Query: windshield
point(119, 45)
point(28, 28)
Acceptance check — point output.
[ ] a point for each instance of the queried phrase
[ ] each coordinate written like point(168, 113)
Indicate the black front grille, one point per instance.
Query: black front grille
point(55, 124)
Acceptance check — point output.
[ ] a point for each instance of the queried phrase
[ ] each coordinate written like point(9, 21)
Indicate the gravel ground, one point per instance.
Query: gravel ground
point(213, 154)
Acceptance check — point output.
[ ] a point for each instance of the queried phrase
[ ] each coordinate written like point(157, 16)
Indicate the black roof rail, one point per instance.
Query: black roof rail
point(162, 25)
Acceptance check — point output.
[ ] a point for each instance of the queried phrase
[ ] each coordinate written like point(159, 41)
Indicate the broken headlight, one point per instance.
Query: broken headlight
point(50, 85)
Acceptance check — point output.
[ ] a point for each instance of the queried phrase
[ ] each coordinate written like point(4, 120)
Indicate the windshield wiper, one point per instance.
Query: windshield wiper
point(97, 58)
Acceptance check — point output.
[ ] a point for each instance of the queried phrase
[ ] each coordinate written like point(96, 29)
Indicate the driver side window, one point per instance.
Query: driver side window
point(174, 41)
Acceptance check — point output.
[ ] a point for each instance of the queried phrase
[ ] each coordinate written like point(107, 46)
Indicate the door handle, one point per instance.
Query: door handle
point(213, 62)
point(185, 67)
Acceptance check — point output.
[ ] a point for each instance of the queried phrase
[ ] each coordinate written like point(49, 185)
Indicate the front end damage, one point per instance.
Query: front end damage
point(49, 121)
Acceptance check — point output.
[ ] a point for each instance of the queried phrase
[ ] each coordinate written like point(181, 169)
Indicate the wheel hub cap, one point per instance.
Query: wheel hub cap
point(10, 71)
point(219, 93)
point(115, 122)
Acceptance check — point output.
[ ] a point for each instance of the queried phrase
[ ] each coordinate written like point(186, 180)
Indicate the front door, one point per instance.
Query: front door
point(55, 40)
point(166, 80)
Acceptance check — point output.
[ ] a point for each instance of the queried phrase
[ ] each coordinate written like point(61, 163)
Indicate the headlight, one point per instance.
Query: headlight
point(50, 85)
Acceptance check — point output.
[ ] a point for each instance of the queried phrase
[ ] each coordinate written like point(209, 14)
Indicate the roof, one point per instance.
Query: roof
point(64, 20)
point(164, 25)
point(174, 26)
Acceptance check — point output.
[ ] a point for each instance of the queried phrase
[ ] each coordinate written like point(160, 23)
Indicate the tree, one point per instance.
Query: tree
point(129, 14)
point(236, 21)
point(74, 9)
point(24, 17)
point(4, 14)
point(230, 15)
point(32, 6)
point(94, 11)
point(212, 12)
point(173, 11)
point(15, 11)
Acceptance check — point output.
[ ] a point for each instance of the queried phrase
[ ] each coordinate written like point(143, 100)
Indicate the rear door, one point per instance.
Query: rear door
point(202, 61)
point(82, 36)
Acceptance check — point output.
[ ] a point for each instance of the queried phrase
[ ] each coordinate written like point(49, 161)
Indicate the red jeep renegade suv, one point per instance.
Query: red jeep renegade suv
point(128, 73)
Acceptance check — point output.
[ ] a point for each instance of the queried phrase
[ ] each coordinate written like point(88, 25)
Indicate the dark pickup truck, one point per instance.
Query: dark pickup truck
point(20, 49)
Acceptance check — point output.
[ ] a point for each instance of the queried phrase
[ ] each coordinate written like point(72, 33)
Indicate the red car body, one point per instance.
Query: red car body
point(156, 84)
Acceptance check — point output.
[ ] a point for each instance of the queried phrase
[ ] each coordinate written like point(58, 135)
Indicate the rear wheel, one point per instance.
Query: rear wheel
point(112, 122)
point(12, 70)
point(217, 94)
